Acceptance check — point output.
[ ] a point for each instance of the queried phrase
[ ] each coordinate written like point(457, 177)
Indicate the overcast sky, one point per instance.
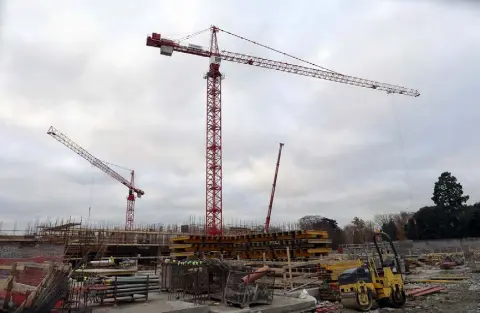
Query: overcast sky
point(83, 67)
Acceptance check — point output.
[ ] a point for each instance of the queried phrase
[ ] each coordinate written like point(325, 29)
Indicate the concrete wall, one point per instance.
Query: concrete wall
point(439, 245)
point(20, 251)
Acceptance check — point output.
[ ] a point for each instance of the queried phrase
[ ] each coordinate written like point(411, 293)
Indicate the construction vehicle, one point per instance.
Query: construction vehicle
point(362, 286)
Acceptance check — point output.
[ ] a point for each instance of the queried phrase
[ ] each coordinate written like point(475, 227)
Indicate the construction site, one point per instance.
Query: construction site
point(167, 268)
point(69, 265)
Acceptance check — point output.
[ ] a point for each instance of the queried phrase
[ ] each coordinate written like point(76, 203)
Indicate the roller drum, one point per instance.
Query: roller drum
point(349, 303)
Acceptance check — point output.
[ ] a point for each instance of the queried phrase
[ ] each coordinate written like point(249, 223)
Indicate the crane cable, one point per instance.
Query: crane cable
point(278, 51)
point(92, 183)
point(119, 166)
point(403, 155)
point(192, 35)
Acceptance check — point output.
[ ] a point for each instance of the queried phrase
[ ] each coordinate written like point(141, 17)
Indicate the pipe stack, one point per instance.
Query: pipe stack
point(119, 287)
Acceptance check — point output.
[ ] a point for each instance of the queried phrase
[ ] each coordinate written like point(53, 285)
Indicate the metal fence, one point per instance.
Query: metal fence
point(194, 281)
point(97, 290)
point(215, 280)
point(240, 292)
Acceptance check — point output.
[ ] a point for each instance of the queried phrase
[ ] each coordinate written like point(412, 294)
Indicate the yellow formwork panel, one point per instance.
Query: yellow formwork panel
point(309, 243)
point(343, 264)
point(210, 249)
point(319, 250)
point(319, 241)
point(181, 254)
point(179, 238)
point(318, 233)
point(180, 246)
point(288, 235)
point(195, 239)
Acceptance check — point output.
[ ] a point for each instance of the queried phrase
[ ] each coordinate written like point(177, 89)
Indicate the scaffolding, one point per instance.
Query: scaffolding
point(71, 231)
point(145, 241)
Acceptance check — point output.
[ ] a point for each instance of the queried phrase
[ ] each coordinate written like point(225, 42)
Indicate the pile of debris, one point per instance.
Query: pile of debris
point(434, 260)
point(328, 307)
point(452, 260)
point(423, 291)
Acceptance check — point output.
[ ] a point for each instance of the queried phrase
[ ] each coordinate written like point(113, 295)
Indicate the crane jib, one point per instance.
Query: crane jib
point(62, 138)
point(167, 46)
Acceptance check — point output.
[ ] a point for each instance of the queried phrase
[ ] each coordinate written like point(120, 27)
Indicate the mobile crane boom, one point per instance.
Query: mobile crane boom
point(274, 185)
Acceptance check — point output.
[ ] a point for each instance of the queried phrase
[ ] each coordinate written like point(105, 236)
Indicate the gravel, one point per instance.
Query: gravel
point(455, 298)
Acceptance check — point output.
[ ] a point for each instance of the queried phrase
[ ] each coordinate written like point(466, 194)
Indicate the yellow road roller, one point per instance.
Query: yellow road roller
point(362, 286)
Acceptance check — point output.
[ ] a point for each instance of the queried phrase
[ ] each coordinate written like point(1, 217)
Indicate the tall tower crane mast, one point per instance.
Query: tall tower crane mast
point(132, 190)
point(214, 220)
point(274, 186)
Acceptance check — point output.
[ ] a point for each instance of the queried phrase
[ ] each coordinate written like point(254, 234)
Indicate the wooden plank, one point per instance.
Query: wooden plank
point(9, 286)
point(289, 267)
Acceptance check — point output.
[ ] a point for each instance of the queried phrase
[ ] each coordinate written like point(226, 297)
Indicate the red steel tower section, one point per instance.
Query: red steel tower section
point(130, 214)
point(213, 216)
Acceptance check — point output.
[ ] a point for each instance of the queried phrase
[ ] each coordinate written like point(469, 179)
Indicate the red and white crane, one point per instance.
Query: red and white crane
point(214, 219)
point(274, 185)
point(132, 190)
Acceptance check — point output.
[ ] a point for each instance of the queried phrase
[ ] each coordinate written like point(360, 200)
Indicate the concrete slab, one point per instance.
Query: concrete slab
point(159, 303)
point(184, 307)
point(279, 305)
point(314, 292)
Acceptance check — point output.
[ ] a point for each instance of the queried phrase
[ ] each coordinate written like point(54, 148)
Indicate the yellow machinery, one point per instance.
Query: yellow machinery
point(362, 286)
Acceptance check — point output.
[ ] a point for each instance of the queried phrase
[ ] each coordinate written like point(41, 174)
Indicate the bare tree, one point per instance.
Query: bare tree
point(383, 219)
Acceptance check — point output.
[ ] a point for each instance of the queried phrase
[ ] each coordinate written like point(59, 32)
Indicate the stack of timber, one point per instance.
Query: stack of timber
point(322, 273)
point(302, 245)
point(290, 275)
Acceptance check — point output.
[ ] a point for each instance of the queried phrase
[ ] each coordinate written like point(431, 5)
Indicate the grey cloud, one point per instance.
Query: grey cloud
point(85, 69)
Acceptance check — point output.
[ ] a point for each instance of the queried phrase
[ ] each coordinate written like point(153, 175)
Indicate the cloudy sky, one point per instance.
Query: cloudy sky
point(83, 67)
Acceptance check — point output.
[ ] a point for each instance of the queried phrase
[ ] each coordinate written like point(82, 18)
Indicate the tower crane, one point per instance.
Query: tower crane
point(274, 185)
point(132, 190)
point(213, 216)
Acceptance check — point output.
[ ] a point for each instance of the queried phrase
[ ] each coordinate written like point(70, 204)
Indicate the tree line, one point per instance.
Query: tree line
point(448, 217)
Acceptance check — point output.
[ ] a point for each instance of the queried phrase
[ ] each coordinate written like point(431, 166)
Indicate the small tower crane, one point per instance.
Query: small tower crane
point(274, 185)
point(132, 190)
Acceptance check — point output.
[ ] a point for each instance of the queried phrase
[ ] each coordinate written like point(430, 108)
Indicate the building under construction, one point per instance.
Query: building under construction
point(73, 241)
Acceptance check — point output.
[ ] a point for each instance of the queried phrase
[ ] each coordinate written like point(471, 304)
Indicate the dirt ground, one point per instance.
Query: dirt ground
point(458, 298)
point(463, 297)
